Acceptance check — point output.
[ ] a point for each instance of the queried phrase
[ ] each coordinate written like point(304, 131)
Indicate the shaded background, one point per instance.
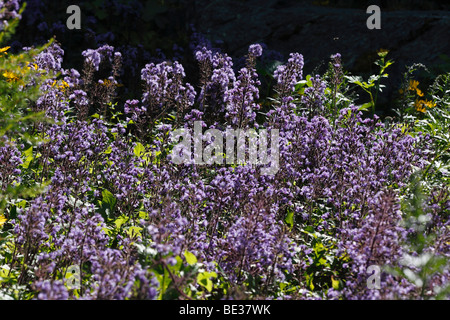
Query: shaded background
point(156, 30)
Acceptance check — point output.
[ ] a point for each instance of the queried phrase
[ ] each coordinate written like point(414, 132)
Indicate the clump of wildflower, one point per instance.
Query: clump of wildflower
point(289, 74)
point(10, 161)
point(241, 105)
point(216, 77)
point(51, 58)
point(314, 96)
point(95, 56)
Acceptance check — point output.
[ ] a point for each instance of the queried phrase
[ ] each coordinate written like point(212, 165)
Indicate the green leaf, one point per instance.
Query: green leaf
point(164, 282)
point(190, 258)
point(336, 284)
point(300, 86)
point(289, 219)
point(309, 281)
point(366, 106)
point(355, 79)
point(120, 221)
point(108, 199)
point(4, 273)
point(143, 215)
point(308, 80)
point(204, 279)
point(28, 157)
point(134, 231)
point(139, 149)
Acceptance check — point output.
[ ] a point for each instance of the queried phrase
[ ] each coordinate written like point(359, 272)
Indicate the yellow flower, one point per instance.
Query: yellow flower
point(61, 86)
point(419, 106)
point(419, 92)
point(430, 104)
point(107, 83)
point(2, 220)
point(413, 85)
point(10, 76)
point(422, 105)
point(3, 50)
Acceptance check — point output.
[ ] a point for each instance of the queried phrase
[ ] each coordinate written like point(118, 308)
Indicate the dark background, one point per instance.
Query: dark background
point(156, 30)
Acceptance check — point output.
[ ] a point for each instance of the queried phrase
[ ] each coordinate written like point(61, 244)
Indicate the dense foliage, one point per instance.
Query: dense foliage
point(88, 182)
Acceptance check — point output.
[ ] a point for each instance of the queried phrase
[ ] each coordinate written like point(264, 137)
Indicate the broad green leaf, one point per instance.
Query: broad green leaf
point(365, 107)
point(120, 221)
point(204, 279)
point(308, 80)
point(4, 273)
point(139, 149)
point(289, 219)
point(109, 199)
point(134, 231)
point(143, 215)
point(335, 283)
point(190, 258)
point(28, 157)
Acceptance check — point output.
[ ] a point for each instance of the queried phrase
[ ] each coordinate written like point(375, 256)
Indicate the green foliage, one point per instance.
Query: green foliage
point(20, 83)
point(373, 85)
point(180, 276)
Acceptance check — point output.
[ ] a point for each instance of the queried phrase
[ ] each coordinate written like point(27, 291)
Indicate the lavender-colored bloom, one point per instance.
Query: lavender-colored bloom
point(164, 90)
point(289, 74)
point(51, 290)
point(216, 77)
point(240, 100)
point(255, 50)
point(336, 62)
point(10, 161)
point(375, 241)
point(95, 57)
point(51, 58)
point(314, 96)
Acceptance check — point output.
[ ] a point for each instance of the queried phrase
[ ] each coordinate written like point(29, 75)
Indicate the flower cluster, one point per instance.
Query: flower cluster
point(10, 161)
point(289, 74)
point(136, 225)
point(241, 99)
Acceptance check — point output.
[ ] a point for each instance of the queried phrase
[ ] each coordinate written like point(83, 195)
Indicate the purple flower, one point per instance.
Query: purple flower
point(51, 58)
point(95, 57)
point(51, 290)
point(289, 74)
point(255, 50)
